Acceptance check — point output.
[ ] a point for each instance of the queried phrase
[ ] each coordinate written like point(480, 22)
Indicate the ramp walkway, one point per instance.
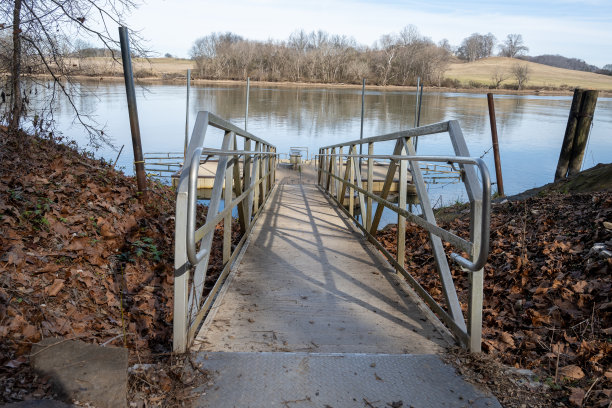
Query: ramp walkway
point(307, 311)
point(314, 316)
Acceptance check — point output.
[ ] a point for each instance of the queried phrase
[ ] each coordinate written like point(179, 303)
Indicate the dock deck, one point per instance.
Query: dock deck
point(313, 316)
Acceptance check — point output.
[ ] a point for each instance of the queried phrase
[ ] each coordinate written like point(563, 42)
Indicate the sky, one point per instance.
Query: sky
point(578, 29)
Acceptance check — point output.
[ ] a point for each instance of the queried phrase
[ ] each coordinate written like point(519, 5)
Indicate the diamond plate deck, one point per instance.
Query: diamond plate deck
point(309, 282)
point(313, 316)
point(304, 380)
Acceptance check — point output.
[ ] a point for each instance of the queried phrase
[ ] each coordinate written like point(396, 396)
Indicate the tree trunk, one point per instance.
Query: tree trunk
point(16, 108)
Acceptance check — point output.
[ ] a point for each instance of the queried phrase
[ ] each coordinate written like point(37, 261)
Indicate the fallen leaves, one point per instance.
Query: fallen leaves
point(81, 256)
point(55, 287)
point(548, 296)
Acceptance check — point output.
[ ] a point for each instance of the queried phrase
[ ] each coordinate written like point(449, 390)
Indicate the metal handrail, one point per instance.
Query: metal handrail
point(483, 251)
point(330, 164)
point(250, 179)
point(193, 256)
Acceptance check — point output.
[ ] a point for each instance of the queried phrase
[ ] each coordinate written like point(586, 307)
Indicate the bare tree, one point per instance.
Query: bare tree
point(513, 46)
point(477, 46)
point(44, 32)
point(521, 74)
point(319, 56)
point(498, 76)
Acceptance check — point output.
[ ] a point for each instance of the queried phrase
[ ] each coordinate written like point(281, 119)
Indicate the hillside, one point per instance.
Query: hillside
point(541, 76)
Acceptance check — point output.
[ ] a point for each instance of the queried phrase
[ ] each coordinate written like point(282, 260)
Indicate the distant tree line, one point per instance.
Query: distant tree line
point(560, 61)
point(395, 59)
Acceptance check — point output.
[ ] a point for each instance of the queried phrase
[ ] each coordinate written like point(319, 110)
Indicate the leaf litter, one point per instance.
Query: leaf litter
point(547, 293)
point(83, 258)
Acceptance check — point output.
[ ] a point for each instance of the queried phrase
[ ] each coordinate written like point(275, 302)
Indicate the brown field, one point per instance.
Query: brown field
point(154, 68)
point(540, 76)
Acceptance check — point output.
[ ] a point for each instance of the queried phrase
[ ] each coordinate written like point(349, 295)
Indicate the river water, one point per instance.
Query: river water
point(530, 127)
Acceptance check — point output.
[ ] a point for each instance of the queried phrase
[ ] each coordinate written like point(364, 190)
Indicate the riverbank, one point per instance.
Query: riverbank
point(547, 284)
point(160, 80)
point(474, 77)
point(84, 258)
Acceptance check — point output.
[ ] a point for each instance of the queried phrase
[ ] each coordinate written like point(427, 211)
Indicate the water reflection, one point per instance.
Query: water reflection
point(530, 128)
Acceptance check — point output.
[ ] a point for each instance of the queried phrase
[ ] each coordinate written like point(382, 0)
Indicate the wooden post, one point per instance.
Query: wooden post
point(568, 139)
point(141, 178)
point(498, 171)
point(589, 100)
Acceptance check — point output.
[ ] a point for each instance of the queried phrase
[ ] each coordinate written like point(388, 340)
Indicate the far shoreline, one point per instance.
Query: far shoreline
point(158, 80)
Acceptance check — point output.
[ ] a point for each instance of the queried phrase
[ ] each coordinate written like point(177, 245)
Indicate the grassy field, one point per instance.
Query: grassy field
point(540, 76)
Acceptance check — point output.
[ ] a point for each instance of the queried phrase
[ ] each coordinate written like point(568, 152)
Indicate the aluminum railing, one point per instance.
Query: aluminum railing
point(244, 180)
point(332, 159)
point(163, 164)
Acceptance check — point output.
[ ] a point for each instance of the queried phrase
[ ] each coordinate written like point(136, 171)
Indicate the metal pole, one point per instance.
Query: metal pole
point(119, 154)
point(420, 103)
point(498, 171)
point(416, 101)
point(141, 179)
point(187, 114)
point(361, 131)
point(246, 111)
point(418, 110)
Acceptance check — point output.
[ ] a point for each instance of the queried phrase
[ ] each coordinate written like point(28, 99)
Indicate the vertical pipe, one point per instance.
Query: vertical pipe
point(187, 114)
point(246, 111)
point(420, 103)
point(498, 171)
point(370, 185)
point(418, 121)
point(141, 180)
point(361, 130)
point(416, 101)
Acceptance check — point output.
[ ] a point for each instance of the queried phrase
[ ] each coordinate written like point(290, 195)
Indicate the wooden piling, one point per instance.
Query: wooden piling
point(568, 139)
point(589, 100)
point(498, 171)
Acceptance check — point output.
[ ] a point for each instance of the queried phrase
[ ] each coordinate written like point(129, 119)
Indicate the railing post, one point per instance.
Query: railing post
point(246, 181)
point(227, 199)
point(262, 187)
point(332, 169)
point(370, 185)
point(254, 179)
point(181, 276)
point(448, 286)
point(474, 193)
point(401, 220)
point(319, 167)
point(339, 166)
point(351, 180)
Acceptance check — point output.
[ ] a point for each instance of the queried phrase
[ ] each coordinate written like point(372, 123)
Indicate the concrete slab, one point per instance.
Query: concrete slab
point(38, 404)
point(84, 372)
point(300, 380)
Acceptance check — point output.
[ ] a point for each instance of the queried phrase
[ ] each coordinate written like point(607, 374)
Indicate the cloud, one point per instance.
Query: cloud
point(557, 27)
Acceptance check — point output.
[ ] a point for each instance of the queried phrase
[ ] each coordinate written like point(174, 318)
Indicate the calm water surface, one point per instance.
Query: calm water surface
point(530, 128)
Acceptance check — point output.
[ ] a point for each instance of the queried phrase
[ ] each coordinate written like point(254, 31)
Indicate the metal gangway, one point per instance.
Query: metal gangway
point(310, 308)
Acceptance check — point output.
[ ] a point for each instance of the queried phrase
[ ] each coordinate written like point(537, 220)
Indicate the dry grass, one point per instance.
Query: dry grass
point(541, 76)
point(154, 67)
